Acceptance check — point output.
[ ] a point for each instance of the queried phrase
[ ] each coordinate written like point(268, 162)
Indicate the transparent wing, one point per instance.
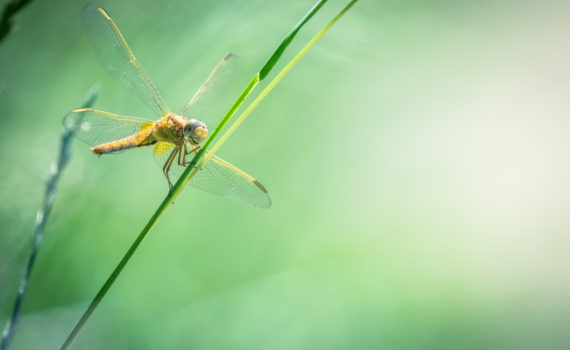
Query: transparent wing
point(116, 56)
point(222, 178)
point(212, 98)
point(95, 127)
point(218, 177)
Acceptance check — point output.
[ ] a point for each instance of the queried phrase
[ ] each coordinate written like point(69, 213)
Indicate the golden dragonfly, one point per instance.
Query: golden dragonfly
point(174, 136)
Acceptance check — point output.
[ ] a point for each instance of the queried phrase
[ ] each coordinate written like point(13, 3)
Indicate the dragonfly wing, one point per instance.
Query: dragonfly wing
point(210, 99)
point(95, 127)
point(218, 177)
point(221, 178)
point(116, 56)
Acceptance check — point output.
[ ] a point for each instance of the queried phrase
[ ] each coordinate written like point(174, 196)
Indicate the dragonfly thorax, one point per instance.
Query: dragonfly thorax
point(196, 131)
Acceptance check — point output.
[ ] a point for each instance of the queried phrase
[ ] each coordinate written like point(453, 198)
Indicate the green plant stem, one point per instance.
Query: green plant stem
point(271, 85)
point(42, 217)
point(185, 177)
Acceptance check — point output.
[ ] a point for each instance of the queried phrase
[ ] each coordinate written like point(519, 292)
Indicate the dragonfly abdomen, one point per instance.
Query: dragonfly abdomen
point(143, 138)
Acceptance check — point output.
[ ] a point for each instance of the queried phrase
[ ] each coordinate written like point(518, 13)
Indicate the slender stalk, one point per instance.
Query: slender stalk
point(271, 85)
point(41, 219)
point(185, 177)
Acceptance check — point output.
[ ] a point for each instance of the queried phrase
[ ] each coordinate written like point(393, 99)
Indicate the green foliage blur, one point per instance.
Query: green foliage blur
point(416, 159)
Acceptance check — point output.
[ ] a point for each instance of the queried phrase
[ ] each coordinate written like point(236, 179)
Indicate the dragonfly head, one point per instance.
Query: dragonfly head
point(196, 131)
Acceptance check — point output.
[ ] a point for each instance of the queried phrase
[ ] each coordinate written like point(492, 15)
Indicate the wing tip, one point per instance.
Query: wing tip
point(258, 184)
point(91, 7)
point(261, 187)
point(70, 120)
point(102, 11)
point(79, 110)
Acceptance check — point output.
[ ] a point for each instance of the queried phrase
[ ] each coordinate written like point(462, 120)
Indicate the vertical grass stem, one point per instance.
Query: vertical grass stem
point(41, 219)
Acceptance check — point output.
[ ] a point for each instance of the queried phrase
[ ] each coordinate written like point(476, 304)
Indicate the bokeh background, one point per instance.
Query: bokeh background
point(417, 160)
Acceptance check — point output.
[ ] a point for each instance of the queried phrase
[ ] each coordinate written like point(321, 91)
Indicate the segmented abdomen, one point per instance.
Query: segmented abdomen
point(143, 138)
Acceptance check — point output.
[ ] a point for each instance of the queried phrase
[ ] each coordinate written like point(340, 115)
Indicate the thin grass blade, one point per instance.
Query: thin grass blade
point(42, 217)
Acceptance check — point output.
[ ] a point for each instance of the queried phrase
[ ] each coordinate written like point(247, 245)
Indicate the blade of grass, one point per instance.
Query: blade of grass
point(184, 178)
point(268, 88)
point(41, 219)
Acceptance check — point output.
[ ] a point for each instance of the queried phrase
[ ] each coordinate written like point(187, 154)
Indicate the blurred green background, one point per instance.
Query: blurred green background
point(417, 160)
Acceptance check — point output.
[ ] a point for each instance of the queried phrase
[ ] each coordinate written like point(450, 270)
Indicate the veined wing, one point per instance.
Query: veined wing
point(116, 56)
point(218, 177)
point(95, 127)
point(211, 100)
point(224, 179)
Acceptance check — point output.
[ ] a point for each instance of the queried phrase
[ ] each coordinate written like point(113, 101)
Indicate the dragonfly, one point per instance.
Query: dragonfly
point(175, 137)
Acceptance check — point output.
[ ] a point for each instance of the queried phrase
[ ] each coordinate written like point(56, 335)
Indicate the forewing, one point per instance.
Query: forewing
point(95, 127)
point(218, 177)
point(212, 99)
point(116, 56)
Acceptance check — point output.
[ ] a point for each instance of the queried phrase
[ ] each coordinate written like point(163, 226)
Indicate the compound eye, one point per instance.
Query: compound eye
point(188, 129)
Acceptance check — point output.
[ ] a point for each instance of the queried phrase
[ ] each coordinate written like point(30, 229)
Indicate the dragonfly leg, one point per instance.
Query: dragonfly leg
point(180, 157)
point(175, 152)
point(186, 152)
point(165, 163)
point(168, 164)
